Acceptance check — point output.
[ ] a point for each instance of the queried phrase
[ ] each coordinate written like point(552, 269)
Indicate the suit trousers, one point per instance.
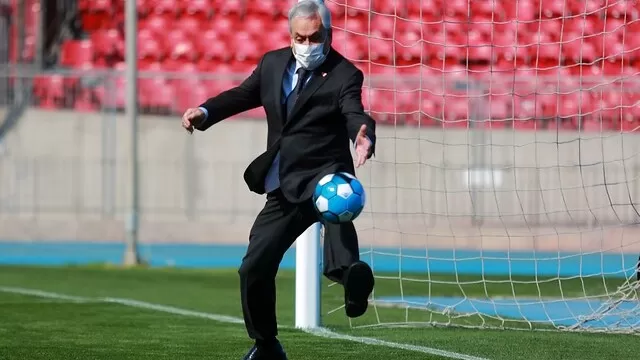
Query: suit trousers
point(274, 231)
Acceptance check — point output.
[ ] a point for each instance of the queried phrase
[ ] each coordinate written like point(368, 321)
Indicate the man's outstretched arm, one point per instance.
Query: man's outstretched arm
point(243, 97)
point(360, 126)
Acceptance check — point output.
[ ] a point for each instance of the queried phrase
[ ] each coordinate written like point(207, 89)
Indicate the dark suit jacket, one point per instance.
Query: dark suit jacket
point(314, 139)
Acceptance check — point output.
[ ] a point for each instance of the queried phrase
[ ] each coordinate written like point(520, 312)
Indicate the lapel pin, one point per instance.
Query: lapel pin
point(324, 74)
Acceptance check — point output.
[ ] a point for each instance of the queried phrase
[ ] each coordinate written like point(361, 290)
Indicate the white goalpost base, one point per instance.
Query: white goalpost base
point(307, 313)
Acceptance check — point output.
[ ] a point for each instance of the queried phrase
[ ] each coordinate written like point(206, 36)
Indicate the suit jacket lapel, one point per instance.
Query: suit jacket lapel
point(320, 75)
point(280, 68)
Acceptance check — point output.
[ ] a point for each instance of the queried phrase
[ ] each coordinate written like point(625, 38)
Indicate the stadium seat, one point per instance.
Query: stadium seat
point(107, 43)
point(199, 10)
point(354, 8)
point(380, 103)
point(75, 53)
point(189, 95)
point(577, 50)
point(487, 10)
point(229, 9)
point(190, 26)
point(246, 47)
point(429, 9)
point(521, 10)
point(167, 9)
point(383, 26)
point(409, 49)
point(441, 47)
point(580, 8)
point(381, 51)
point(49, 91)
point(95, 14)
point(390, 7)
point(622, 9)
point(554, 8)
point(264, 10)
point(545, 55)
point(156, 24)
point(350, 45)
point(183, 52)
point(149, 48)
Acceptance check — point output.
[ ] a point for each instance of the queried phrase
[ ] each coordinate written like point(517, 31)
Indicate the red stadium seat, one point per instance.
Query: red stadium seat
point(156, 24)
point(441, 48)
point(200, 10)
point(579, 8)
point(380, 103)
point(577, 50)
point(262, 9)
point(182, 52)
point(224, 26)
point(156, 93)
point(390, 7)
point(50, 91)
point(427, 8)
point(622, 9)
point(455, 111)
point(456, 8)
point(381, 51)
point(554, 8)
point(95, 14)
point(487, 10)
point(356, 8)
point(107, 43)
point(231, 9)
point(75, 53)
point(383, 26)
point(207, 39)
point(255, 25)
point(410, 49)
point(111, 94)
point(150, 51)
point(168, 9)
point(353, 47)
point(246, 47)
point(521, 10)
point(190, 26)
point(413, 25)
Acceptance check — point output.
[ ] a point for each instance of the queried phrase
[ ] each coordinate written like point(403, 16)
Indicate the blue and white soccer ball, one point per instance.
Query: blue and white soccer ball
point(339, 197)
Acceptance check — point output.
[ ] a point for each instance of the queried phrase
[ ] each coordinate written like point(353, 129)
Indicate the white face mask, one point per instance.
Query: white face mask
point(309, 56)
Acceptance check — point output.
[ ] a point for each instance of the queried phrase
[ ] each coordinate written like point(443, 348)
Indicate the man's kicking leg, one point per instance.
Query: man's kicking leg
point(273, 232)
point(342, 264)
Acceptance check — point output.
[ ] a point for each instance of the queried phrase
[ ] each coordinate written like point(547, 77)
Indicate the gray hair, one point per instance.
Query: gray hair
point(310, 8)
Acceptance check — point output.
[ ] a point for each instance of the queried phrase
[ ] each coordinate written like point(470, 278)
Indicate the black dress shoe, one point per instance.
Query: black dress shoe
point(266, 352)
point(358, 285)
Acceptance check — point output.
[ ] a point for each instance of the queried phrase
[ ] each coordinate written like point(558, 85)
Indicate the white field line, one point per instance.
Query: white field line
point(322, 332)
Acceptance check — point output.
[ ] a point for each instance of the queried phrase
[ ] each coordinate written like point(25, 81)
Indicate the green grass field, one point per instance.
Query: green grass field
point(107, 324)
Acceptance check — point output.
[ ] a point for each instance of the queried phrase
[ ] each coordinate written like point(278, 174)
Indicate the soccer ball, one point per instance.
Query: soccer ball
point(339, 197)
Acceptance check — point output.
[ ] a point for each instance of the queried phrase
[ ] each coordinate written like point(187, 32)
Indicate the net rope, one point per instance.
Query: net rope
point(504, 192)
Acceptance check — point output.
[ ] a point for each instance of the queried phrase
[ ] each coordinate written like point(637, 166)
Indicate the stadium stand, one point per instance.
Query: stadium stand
point(510, 45)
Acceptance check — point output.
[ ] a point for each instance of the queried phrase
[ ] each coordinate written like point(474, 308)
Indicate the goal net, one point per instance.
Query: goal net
point(504, 192)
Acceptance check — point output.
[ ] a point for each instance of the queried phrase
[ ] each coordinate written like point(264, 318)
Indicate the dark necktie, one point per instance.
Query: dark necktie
point(293, 96)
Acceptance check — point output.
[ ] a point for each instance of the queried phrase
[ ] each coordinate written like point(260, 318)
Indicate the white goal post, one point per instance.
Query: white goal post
point(307, 301)
point(505, 192)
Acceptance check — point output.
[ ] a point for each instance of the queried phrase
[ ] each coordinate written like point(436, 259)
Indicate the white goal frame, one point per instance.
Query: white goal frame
point(308, 264)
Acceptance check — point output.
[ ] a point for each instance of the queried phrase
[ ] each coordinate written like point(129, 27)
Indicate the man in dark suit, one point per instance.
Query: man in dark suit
point(312, 98)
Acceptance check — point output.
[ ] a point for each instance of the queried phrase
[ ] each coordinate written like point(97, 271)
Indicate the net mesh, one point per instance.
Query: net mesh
point(504, 192)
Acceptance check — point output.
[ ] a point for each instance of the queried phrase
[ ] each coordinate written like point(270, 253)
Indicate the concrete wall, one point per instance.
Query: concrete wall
point(66, 175)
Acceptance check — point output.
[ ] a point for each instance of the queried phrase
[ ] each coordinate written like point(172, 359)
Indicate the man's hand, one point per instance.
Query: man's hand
point(191, 118)
point(363, 146)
